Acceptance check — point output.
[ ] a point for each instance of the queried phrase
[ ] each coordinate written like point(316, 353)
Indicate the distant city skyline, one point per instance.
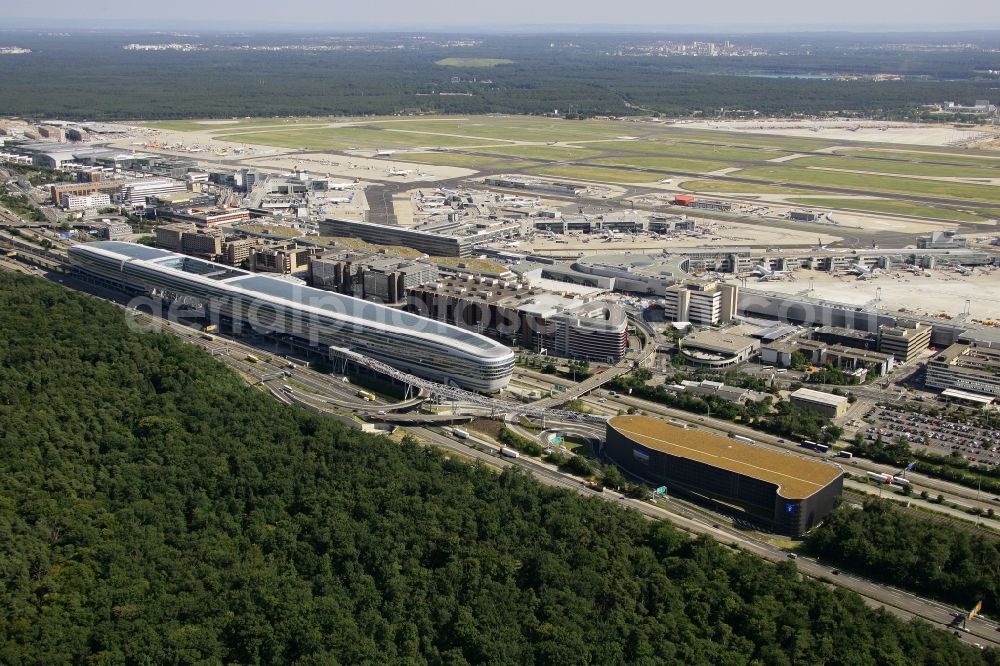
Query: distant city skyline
point(517, 15)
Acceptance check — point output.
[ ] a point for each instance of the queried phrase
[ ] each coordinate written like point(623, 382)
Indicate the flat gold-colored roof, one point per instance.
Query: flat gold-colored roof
point(796, 477)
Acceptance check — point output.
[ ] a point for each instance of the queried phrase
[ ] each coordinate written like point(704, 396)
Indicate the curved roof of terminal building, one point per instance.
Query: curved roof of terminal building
point(273, 288)
point(662, 265)
point(796, 477)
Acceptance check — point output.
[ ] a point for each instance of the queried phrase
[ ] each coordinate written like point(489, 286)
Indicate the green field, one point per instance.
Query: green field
point(513, 128)
point(663, 163)
point(467, 161)
point(792, 143)
point(597, 174)
point(968, 158)
point(875, 184)
point(898, 168)
point(711, 185)
point(473, 62)
point(547, 152)
point(346, 138)
point(893, 207)
point(695, 150)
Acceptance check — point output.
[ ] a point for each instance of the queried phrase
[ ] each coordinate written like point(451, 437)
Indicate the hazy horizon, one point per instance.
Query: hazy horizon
point(774, 16)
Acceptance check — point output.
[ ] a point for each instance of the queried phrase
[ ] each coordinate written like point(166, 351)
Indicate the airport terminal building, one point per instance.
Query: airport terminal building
point(790, 494)
point(300, 315)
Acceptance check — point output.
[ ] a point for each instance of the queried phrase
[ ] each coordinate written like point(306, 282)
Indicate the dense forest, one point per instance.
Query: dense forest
point(930, 558)
point(90, 76)
point(153, 509)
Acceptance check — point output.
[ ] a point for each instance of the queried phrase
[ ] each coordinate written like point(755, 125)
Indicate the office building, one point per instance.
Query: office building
point(700, 302)
point(562, 325)
point(827, 404)
point(787, 493)
point(206, 242)
point(58, 190)
point(905, 341)
point(379, 278)
point(135, 193)
point(965, 367)
point(113, 229)
point(85, 201)
point(284, 258)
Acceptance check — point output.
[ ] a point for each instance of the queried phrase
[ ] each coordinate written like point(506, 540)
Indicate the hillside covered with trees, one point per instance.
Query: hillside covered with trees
point(153, 509)
point(930, 558)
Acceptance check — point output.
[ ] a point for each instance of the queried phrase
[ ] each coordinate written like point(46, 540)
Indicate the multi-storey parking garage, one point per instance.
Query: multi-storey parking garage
point(788, 493)
point(312, 317)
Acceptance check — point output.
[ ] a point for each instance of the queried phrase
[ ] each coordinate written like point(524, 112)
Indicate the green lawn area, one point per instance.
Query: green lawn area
point(343, 138)
point(597, 174)
point(466, 161)
point(875, 184)
point(691, 150)
point(710, 185)
point(892, 207)
point(899, 168)
point(792, 143)
point(969, 157)
point(473, 62)
point(664, 163)
point(509, 128)
point(547, 152)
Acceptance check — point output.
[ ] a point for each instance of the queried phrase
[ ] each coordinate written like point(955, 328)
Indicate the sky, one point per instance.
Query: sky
point(491, 15)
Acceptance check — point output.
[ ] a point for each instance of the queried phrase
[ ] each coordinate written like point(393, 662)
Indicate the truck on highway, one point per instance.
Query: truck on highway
point(365, 395)
point(878, 477)
point(845, 454)
point(741, 438)
point(461, 434)
point(509, 453)
point(822, 448)
point(251, 358)
point(210, 328)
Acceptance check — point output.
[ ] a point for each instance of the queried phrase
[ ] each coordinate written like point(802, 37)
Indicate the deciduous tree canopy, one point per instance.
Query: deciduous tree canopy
point(153, 509)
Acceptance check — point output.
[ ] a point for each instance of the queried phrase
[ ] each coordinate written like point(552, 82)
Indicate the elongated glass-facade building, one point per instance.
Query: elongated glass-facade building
point(313, 317)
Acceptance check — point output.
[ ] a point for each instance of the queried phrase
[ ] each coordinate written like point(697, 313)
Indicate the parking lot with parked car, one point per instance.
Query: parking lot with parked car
point(975, 444)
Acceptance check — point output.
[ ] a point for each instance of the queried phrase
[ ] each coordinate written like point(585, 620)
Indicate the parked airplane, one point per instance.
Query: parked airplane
point(766, 273)
point(862, 272)
point(341, 186)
